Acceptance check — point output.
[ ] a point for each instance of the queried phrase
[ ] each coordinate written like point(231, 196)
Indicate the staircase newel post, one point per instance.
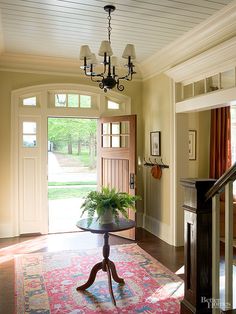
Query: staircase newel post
point(197, 247)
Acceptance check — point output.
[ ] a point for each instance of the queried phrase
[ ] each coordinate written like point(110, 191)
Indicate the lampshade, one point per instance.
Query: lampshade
point(93, 59)
point(105, 47)
point(114, 61)
point(129, 52)
point(85, 52)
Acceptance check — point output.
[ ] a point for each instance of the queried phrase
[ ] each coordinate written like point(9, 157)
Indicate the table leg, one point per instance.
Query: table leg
point(107, 266)
point(110, 284)
point(92, 277)
point(114, 272)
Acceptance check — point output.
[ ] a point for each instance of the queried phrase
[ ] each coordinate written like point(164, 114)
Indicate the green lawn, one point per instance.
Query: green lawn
point(64, 193)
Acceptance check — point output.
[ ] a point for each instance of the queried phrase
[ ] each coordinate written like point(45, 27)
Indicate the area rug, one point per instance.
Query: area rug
point(46, 283)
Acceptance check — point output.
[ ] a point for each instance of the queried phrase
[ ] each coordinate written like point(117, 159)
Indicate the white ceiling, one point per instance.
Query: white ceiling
point(59, 27)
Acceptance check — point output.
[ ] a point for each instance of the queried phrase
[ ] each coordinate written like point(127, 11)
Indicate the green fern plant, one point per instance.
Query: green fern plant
point(108, 200)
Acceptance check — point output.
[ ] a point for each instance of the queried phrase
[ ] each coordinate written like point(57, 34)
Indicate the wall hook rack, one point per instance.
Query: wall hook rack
point(151, 163)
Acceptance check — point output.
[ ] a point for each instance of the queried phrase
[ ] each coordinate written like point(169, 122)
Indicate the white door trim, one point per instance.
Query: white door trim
point(44, 111)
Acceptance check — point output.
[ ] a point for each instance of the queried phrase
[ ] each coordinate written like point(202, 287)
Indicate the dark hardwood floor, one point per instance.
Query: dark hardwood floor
point(171, 257)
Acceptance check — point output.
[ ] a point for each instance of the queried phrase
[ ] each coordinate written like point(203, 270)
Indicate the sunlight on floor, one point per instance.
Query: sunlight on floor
point(180, 271)
point(28, 246)
point(63, 214)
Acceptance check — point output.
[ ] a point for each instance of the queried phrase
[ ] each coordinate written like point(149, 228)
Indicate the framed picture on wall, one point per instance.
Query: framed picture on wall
point(155, 143)
point(192, 144)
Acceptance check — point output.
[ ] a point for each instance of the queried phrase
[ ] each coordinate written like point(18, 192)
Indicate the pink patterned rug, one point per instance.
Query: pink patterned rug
point(46, 283)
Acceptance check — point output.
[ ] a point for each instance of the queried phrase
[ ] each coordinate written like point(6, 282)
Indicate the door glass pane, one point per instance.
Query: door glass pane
point(29, 140)
point(60, 100)
point(29, 127)
point(106, 141)
point(124, 141)
point(124, 127)
point(115, 128)
point(73, 101)
point(115, 141)
point(106, 128)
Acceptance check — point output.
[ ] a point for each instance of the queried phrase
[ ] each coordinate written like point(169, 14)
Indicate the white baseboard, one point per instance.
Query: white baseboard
point(6, 231)
point(158, 228)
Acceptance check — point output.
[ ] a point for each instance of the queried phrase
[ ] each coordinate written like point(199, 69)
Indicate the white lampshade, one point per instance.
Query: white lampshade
point(93, 59)
point(129, 52)
point(105, 47)
point(85, 52)
point(114, 61)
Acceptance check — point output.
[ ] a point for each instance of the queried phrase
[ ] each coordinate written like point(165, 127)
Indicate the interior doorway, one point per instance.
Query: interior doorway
point(72, 169)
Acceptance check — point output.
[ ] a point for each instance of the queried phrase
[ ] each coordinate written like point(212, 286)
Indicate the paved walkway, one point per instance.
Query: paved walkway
point(64, 213)
point(56, 173)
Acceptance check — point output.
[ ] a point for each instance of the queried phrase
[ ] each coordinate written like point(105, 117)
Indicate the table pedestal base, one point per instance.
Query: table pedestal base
point(107, 266)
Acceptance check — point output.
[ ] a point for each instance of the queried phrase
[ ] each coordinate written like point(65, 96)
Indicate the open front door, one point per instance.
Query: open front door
point(116, 153)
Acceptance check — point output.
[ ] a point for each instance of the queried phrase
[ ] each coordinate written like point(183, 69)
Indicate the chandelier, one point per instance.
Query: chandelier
point(108, 79)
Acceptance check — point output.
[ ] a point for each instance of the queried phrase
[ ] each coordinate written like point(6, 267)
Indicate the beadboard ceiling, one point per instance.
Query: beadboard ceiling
point(57, 28)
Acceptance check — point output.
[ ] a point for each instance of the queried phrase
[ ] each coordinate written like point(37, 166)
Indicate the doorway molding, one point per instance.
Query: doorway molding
point(42, 111)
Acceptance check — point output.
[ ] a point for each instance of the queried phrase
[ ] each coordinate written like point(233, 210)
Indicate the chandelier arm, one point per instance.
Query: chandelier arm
point(97, 81)
point(92, 74)
point(119, 86)
point(129, 75)
point(100, 74)
point(87, 74)
point(126, 77)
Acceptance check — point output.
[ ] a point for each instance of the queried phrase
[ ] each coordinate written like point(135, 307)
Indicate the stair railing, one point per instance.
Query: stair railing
point(223, 184)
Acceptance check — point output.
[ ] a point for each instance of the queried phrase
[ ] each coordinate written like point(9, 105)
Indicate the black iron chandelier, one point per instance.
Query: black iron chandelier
point(108, 79)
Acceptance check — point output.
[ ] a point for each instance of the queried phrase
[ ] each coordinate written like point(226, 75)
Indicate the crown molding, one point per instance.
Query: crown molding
point(38, 64)
point(215, 60)
point(219, 27)
point(44, 65)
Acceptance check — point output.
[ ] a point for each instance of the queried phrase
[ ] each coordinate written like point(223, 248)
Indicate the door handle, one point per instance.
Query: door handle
point(132, 180)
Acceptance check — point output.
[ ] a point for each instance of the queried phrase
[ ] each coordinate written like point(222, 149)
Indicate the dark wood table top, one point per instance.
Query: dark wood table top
point(96, 227)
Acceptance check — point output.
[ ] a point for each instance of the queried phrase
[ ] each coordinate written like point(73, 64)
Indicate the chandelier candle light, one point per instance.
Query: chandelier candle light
point(108, 79)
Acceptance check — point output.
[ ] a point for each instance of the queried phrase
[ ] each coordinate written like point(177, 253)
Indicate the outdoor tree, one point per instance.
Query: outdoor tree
point(68, 131)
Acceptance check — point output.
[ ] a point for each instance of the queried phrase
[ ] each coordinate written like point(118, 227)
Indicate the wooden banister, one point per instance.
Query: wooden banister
point(229, 175)
point(202, 244)
point(198, 247)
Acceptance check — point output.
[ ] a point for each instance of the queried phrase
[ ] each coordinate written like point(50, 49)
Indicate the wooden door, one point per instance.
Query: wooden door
point(116, 153)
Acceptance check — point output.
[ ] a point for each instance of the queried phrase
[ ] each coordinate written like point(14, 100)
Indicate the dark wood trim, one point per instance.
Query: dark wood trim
point(229, 175)
point(197, 247)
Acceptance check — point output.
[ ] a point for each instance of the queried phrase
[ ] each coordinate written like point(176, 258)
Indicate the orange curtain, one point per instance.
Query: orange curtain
point(220, 144)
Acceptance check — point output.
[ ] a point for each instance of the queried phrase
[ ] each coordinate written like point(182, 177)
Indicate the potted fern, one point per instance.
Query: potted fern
point(108, 204)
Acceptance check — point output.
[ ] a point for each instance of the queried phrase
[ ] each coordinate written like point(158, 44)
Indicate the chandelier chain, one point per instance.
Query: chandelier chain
point(109, 28)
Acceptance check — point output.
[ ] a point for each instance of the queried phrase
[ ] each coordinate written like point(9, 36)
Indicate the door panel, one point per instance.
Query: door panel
point(116, 153)
point(30, 218)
